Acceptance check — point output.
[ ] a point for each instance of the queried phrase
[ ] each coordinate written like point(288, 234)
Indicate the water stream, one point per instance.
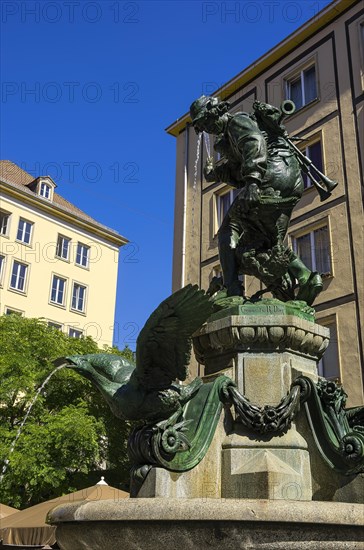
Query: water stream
point(193, 207)
point(20, 429)
point(206, 138)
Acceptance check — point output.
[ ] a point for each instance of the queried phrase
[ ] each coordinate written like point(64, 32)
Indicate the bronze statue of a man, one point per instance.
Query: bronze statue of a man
point(257, 159)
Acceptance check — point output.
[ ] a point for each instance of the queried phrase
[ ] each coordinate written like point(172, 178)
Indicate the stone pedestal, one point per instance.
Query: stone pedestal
point(264, 348)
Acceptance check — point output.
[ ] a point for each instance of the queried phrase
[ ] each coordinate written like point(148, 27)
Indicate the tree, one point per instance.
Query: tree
point(70, 431)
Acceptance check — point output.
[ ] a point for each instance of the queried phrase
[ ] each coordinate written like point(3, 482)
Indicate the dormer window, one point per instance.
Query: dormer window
point(43, 186)
point(45, 190)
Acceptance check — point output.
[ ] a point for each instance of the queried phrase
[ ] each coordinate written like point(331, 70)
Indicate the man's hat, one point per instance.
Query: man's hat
point(201, 105)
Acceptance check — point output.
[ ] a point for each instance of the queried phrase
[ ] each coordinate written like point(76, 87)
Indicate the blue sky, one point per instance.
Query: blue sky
point(88, 88)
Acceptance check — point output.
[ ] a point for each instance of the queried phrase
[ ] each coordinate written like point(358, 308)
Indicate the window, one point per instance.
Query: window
point(82, 255)
point(24, 231)
point(74, 333)
point(78, 297)
point(45, 190)
point(2, 266)
point(329, 366)
point(58, 290)
point(314, 153)
point(4, 222)
point(361, 45)
point(63, 247)
point(18, 276)
point(11, 311)
point(302, 89)
point(314, 250)
point(57, 326)
point(223, 203)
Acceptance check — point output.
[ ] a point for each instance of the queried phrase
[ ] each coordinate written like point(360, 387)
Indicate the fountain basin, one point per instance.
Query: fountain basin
point(151, 524)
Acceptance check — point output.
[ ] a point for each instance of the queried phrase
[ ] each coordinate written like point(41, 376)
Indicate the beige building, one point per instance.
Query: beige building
point(320, 67)
point(56, 262)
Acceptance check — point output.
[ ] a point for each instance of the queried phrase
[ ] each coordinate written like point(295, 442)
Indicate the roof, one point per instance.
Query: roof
point(302, 34)
point(17, 178)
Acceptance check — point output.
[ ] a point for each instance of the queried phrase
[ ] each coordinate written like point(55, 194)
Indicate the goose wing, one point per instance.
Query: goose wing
point(164, 344)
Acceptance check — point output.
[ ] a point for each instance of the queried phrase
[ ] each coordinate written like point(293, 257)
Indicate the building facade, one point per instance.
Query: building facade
point(56, 262)
point(319, 67)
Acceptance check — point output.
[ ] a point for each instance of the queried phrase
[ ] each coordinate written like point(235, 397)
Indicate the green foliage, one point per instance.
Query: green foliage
point(70, 430)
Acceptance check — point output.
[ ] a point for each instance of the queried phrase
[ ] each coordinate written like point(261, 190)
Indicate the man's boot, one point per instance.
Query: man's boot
point(229, 265)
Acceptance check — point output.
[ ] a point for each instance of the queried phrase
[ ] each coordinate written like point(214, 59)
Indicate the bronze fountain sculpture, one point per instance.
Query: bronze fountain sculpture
point(209, 432)
point(178, 422)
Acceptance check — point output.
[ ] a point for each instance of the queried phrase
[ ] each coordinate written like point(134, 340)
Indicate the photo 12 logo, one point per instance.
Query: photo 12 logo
point(69, 92)
point(75, 172)
point(256, 12)
point(70, 12)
